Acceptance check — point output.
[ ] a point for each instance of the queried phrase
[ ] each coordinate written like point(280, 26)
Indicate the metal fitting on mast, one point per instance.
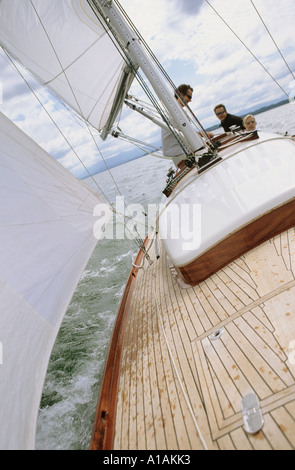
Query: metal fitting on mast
point(140, 58)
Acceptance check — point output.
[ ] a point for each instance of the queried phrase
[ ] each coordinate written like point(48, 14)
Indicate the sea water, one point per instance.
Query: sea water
point(77, 362)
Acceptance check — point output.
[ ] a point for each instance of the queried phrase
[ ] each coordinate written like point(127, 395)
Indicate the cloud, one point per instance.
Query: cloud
point(189, 7)
point(195, 46)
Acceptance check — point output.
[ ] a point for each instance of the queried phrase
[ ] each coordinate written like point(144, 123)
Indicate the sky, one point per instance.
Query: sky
point(196, 47)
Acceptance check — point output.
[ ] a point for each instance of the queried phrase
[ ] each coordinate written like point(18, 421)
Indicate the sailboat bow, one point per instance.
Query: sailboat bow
point(203, 358)
point(200, 355)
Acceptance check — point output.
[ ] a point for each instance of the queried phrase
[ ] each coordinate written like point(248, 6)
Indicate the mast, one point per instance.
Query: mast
point(139, 58)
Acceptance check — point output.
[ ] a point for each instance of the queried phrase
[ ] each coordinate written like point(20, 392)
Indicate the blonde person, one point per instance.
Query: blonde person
point(250, 122)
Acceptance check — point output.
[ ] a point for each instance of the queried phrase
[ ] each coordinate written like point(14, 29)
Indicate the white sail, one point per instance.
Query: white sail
point(46, 239)
point(62, 43)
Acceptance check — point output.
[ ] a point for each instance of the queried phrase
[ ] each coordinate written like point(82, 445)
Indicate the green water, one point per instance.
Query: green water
point(77, 362)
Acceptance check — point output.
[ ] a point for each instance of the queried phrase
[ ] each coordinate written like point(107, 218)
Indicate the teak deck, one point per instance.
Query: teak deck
point(176, 387)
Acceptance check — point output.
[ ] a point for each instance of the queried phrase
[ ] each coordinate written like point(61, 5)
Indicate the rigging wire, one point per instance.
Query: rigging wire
point(124, 53)
point(249, 50)
point(159, 65)
point(145, 44)
point(69, 84)
point(144, 146)
point(65, 138)
point(137, 240)
point(52, 120)
point(68, 142)
point(271, 36)
point(124, 216)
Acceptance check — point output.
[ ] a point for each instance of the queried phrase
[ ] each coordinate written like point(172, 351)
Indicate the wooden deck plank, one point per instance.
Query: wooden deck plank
point(291, 239)
point(267, 363)
point(266, 335)
point(163, 304)
point(266, 266)
point(182, 344)
point(156, 368)
point(224, 368)
point(244, 372)
point(180, 359)
point(222, 398)
point(242, 270)
point(138, 429)
point(262, 318)
point(121, 436)
point(188, 312)
point(241, 439)
point(207, 407)
point(168, 438)
point(274, 434)
point(243, 288)
point(205, 312)
point(227, 286)
point(175, 380)
point(223, 304)
point(215, 310)
point(259, 441)
point(123, 431)
point(286, 424)
point(226, 443)
point(290, 407)
point(285, 250)
point(281, 312)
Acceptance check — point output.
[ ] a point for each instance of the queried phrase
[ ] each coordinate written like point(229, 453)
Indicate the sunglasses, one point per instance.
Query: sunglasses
point(251, 122)
point(190, 97)
point(221, 112)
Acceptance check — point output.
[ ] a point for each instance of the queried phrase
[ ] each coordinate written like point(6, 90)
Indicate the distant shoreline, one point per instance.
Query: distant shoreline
point(257, 111)
point(115, 163)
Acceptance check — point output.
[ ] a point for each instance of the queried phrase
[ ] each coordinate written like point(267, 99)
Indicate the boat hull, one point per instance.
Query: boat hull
point(235, 244)
point(213, 217)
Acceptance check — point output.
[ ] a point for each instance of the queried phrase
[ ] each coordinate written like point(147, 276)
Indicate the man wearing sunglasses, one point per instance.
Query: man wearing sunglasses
point(227, 120)
point(170, 145)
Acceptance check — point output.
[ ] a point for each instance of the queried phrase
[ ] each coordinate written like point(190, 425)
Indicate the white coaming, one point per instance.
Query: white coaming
point(253, 178)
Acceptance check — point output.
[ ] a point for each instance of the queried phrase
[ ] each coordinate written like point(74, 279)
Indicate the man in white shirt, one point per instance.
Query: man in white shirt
point(170, 145)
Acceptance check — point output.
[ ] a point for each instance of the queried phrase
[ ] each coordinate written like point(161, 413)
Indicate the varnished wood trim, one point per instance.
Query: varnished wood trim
point(104, 421)
point(237, 139)
point(236, 244)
